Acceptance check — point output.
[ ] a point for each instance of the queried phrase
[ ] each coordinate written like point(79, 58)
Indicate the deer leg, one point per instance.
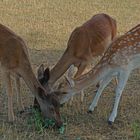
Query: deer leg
point(82, 96)
point(36, 104)
point(17, 89)
point(122, 80)
point(81, 68)
point(98, 84)
point(8, 86)
point(70, 74)
point(103, 84)
point(116, 80)
point(80, 71)
point(3, 88)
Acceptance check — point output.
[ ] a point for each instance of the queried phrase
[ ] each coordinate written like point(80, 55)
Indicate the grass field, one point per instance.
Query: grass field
point(46, 26)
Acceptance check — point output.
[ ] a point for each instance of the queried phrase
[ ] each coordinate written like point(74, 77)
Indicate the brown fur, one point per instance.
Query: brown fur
point(86, 42)
point(15, 62)
point(120, 59)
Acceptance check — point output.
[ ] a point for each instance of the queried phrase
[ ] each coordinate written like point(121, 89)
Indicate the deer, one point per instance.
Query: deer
point(119, 60)
point(86, 42)
point(15, 63)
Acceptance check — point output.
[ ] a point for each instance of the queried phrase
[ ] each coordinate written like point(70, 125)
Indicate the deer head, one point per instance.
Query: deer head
point(49, 103)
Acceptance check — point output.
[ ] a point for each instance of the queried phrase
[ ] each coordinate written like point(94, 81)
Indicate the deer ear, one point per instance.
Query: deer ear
point(40, 72)
point(46, 74)
point(70, 82)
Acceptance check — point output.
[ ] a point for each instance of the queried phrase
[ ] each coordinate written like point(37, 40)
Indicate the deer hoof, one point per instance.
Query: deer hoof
point(89, 112)
point(110, 122)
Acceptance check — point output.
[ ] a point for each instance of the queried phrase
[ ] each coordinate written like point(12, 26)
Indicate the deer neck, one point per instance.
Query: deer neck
point(91, 78)
point(31, 81)
point(60, 68)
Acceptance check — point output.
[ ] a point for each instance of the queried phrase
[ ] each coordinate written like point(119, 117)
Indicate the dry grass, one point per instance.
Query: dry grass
point(46, 26)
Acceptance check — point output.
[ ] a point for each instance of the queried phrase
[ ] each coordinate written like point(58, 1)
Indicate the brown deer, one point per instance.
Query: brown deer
point(119, 60)
point(15, 62)
point(86, 42)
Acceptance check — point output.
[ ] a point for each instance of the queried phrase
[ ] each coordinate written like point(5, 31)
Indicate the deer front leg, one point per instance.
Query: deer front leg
point(82, 96)
point(116, 80)
point(80, 71)
point(69, 75)
point(8, 86)
point(75, 72)
point(17, 89)
point(122, 80)
point(98, 84)
point(36, 104)
point(102, 85)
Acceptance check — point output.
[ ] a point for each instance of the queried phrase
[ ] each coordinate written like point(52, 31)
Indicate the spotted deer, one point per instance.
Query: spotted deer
point(85, 43)
point(119, 60)
point(15, 63)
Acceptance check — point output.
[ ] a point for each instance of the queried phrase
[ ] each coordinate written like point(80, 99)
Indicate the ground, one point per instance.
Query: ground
point(46, 26)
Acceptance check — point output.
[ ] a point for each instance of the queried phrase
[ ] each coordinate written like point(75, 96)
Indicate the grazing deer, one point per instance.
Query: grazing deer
point(119, 60)
point(15, 62)
point(86, 42)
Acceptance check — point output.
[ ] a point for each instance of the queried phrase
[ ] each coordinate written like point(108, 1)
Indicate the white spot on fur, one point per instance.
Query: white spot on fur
point(132, 38)
point(128, 33)
point(136, 34)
